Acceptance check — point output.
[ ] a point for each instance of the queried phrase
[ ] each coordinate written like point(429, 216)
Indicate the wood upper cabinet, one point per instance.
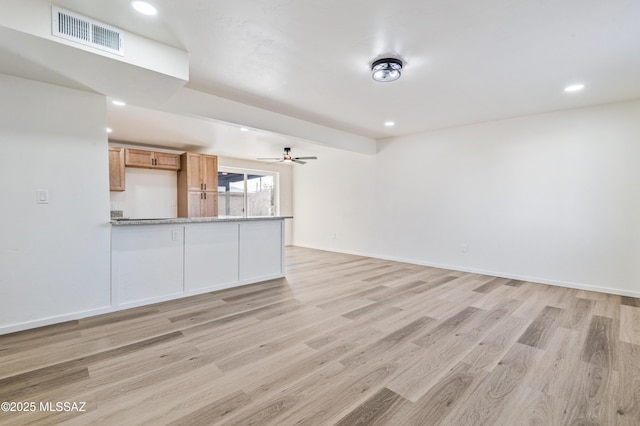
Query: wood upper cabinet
point(210, 172)
point(167, 161)
point(201, 171)
point(192, 170)
point(116, 169)
point(138, 158)
point(151, 159)
point(198, 185)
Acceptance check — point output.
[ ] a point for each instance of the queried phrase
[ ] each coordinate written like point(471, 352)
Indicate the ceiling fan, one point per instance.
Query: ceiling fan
point(287, 158)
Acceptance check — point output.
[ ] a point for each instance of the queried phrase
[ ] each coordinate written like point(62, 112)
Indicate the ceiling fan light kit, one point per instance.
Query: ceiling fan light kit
point(287, 158)
point(386, 69)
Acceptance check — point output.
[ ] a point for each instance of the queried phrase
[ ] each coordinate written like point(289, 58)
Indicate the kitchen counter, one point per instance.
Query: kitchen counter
point(182, 220)
point(187, 256)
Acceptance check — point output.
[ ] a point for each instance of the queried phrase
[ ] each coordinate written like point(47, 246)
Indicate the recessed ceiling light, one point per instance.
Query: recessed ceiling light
point(144, 8)
point(118, 103)
point(109, 130)
point(389, 123)
point(244, 129)
point(574, 88)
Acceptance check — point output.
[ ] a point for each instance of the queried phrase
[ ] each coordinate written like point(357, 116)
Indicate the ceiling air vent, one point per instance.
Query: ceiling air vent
point(78, 28)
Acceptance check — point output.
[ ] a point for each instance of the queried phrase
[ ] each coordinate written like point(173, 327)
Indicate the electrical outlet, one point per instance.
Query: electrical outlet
point(175, 234)
point(465, 248)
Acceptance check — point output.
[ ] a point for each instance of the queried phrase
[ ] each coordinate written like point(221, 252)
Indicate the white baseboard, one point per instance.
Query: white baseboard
point(231, 285)
point(568, 284)
point(129, 305)
point(146, 302)
point(55, 320)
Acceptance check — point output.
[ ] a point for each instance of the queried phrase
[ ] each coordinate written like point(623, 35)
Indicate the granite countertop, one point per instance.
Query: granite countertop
point(178, 220)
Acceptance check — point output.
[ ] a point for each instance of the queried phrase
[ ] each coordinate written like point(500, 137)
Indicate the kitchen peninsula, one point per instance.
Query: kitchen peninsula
point(153, 260)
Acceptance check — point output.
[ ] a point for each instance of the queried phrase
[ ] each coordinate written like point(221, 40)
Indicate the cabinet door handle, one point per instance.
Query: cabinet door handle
point(205, 195)
point(205, 186)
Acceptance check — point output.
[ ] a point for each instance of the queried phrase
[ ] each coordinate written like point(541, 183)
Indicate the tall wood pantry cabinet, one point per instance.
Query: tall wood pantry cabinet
point(198, 185)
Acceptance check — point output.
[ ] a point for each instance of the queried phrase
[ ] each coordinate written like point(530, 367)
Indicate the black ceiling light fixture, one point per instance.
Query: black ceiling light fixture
point(386, 69)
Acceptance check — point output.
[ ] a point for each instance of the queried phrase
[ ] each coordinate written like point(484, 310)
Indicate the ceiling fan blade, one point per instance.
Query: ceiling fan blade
point(269, 158)
point(274, 162)
point(306, 158)
point(295, 160)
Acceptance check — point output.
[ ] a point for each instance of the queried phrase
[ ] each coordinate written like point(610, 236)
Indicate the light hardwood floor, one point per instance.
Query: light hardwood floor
point(343, 340)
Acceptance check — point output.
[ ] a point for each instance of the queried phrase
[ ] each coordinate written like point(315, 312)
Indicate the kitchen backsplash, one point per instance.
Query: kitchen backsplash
point(149, 194)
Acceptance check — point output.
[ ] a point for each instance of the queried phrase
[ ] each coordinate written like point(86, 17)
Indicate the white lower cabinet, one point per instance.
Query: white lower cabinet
point(211, 256)
point(261, 250)
point(146, 263)
point(155, 262)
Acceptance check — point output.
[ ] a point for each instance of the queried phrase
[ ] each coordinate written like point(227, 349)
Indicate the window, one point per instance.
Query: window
point(247, 192)
point(230, 194)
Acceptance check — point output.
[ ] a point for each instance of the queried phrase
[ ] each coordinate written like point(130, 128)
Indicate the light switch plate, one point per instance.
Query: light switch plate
point(42, 196)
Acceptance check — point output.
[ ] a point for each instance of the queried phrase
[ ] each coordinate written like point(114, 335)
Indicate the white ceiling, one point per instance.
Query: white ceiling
point(466, 61)
point(158, 128)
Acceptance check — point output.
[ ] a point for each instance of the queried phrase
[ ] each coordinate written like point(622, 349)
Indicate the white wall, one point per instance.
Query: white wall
point(551, 198)
point(333, 202)
point(149, 194)
point(54, 258)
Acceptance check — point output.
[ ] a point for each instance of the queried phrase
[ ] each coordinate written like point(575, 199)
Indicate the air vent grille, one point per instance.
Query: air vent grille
point(105, 37)
point(71, 26)
point(74, 27)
